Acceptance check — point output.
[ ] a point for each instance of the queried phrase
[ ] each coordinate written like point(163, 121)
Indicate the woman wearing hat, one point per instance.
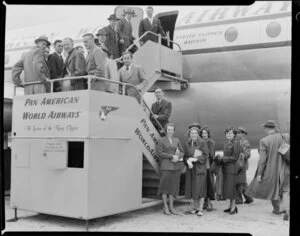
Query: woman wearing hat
point(231, 154)
point(196, 154)
point(170, 153)
point(205, 135)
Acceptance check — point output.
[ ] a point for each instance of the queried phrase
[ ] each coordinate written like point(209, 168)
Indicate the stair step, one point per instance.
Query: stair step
point(166, 85)
point(150, 175)
point(150, 183)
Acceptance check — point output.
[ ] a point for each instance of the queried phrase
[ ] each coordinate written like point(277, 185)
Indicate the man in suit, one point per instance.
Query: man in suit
point(74, 66)
point(56, 64)
point(132, 74)
point(95, 62)
point(102, 36)
point(161, 108)
point(35, 68)
point(124, 30)
point(150, 24)
point(112, 39)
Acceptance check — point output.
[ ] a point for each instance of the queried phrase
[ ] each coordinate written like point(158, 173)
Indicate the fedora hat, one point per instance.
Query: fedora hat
point(269, 124)
point(241, 129)
point(195, 124)
point(113, 17)
point(101, 32)
point(42, 38)
point(129, 11)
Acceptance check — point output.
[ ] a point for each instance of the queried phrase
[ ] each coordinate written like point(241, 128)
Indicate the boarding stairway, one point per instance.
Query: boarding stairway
point(163, 68)
point(162, 65)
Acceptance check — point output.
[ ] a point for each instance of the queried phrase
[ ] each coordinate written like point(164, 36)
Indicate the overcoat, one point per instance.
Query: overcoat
point(56, 65)
point(196, 178)
point(231, 154)
point(112, 42)
point(271, 167)
point(74, 66)
point(246, 151)
point(95, 65)
point(124, 31)
point(35, 69)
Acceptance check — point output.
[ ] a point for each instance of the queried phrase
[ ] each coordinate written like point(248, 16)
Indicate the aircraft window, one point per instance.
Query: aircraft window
point(75, 154)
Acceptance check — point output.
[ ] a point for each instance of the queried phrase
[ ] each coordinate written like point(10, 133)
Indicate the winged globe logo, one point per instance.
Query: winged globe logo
point(105, 110)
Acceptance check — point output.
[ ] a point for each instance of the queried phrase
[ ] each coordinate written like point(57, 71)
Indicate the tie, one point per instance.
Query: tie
point(192, 143)
point(158, 103)
point(127, 71)
point(61, 58)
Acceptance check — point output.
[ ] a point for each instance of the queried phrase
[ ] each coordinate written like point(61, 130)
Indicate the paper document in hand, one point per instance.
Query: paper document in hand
point(197, 153)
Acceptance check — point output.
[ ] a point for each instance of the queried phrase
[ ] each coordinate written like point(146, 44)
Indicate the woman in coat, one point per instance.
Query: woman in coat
point(170, 153)
point(205, 135)
point(196, 154)
point(231, 153)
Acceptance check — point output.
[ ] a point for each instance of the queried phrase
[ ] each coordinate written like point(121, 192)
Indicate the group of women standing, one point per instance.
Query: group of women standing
point(197, 159)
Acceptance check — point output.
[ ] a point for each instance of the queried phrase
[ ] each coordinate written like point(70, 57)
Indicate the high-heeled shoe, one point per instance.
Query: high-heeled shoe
point(227, 210)
point(234, 211)
point(166, 211)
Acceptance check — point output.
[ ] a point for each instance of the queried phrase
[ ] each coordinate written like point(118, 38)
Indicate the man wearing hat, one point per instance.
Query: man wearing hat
point(124, 30)
point(102, 35)
point(269, 176)
point(150, 24)
point(112, 39)
point(241, 179)
point(35, 68)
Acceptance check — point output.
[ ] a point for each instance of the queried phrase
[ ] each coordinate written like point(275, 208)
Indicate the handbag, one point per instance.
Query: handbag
point(284, 150)
point(240, 162)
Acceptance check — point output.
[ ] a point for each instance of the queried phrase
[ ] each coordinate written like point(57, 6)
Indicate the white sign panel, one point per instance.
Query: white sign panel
point(55, 153)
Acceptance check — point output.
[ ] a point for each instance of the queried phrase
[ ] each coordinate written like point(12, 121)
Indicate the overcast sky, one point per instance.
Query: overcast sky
point(19, 16)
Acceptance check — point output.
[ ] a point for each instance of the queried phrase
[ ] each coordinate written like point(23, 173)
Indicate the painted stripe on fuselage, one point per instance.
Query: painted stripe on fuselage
point(233, 21)
point(237, 48)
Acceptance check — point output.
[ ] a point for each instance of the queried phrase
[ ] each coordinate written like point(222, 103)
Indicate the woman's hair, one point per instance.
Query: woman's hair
point(193, 128)
point(230, 128)
point(206, 129)
point(170, 124)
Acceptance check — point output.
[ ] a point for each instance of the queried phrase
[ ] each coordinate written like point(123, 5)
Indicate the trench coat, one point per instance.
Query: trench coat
point(271, 167)
point(112, 42)
point(124, 31)
point(246, 152)
point(35, 69)
point(231, 154)
point(196, 177)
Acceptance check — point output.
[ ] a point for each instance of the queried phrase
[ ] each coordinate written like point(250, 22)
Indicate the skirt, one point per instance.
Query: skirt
point(169, 182)
point(229, 190)
point(210, 185)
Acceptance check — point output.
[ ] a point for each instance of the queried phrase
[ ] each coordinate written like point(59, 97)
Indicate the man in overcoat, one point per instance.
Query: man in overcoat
point(112, 38)
point(35, 68)
point(269, 177)
point(124, 30)
point(152, 24)
point(56, 64)
point(161, 108)
point(74, 66)
point(95, 62)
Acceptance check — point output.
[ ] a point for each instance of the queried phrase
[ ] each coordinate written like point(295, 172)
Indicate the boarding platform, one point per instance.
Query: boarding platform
point(81, 154)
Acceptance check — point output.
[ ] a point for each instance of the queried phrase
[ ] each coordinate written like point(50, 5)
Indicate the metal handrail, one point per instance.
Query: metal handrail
point(150, 32)
point(89, 78)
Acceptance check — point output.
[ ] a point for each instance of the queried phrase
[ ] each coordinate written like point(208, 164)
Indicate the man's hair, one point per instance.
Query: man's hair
point(57, 41)
point(79, 46)
point(158, 88)
point(150, 8)
point(90, 35)
point(124, 53)
point(68, 38)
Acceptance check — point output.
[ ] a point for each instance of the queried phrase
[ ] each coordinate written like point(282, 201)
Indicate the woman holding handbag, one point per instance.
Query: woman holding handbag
point(170, 153)
point(231, 154)
point(196, 154)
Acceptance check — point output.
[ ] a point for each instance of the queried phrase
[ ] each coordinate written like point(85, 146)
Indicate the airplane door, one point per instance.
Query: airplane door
point(135, 21)
point(168, 21)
